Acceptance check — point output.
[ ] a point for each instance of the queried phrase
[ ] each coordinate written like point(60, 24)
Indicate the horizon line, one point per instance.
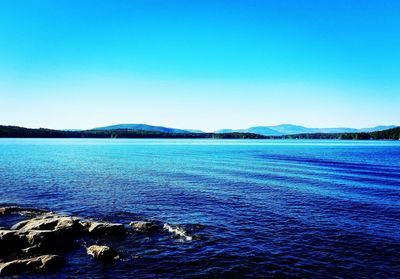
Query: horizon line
point(203, 130)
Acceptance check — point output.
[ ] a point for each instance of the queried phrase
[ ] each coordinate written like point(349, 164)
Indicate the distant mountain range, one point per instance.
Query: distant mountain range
point(288, 129)
point(105, 132)
point(145, 127)
point(278, 130)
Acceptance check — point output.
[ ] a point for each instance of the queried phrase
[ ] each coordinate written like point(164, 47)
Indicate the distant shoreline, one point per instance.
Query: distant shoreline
point(21, 132)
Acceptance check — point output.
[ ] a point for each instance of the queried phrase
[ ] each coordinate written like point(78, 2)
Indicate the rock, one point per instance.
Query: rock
point(36, 237)
point(19, 225)
point(41, 263)
point(102, 253)
point(7, 210)
point(47, 233)
point(103, 228)
point(8, 235)
point(34, 249)
point(11, 241)
point(16, 209)
point(32, 242)
point(48, 241)
point(50, 222)
point(144, 226)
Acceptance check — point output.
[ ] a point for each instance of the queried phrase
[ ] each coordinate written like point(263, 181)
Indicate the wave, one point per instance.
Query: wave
point(178, 231)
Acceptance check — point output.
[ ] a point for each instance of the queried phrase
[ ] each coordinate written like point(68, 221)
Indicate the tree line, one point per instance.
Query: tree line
point(20, 132)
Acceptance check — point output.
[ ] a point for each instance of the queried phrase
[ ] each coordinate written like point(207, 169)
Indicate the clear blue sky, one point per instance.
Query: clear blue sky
point(199, 64)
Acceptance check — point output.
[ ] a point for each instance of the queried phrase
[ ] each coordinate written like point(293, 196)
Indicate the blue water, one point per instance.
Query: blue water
point(259, 207)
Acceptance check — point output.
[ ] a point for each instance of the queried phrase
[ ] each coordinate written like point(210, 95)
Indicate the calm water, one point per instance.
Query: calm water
point(259, 208)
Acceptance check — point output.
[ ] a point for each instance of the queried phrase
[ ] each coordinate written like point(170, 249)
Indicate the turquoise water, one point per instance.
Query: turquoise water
point(259, 207)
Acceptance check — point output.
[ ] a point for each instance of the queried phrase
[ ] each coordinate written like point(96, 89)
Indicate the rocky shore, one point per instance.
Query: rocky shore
point(40, 241)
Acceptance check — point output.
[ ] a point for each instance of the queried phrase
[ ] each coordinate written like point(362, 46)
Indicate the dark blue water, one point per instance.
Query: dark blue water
point(259, 208)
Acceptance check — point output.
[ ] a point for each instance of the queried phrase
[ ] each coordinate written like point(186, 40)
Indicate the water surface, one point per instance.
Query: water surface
point(266, 207)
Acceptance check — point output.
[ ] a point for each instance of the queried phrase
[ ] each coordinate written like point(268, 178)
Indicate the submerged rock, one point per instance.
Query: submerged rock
point(41, 263)
point(6, 210)
point(102, 253)
point(98, 228)
point(144, 226)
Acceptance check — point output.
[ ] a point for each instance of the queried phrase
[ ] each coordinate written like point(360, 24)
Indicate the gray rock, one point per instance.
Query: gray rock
point(32, 242)
point(48, 240)
point(47, 233)
point(50, 222)
point(103, 228)
point(41, 263)
point(36, 237)
point(102, 253)
point(144, 226)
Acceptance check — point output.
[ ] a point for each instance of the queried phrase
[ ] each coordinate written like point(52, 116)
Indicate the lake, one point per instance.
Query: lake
point(267, 208)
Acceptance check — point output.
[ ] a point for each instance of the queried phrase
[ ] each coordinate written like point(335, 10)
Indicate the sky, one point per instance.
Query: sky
point(199, 64)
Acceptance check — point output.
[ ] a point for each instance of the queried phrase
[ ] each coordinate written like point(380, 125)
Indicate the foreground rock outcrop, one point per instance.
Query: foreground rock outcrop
point(39, 239)
point(41, 263)
point(31, 245)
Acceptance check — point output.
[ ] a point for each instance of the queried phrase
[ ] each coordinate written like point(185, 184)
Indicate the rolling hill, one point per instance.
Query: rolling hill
point(145, 127)
point(289, 129)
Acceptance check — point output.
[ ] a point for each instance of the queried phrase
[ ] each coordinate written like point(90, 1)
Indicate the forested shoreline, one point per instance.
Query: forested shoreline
point(21, 132)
